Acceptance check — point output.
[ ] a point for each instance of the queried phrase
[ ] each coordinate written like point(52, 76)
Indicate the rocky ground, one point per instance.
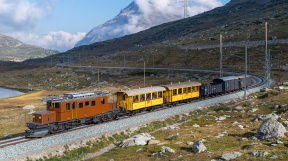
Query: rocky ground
point(253, 129)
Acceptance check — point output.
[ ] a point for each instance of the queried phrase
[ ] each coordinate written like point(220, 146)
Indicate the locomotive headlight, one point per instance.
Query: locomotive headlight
point(39, 117)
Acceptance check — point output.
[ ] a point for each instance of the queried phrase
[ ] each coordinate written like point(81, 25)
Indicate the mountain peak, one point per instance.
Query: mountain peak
point(142, 15)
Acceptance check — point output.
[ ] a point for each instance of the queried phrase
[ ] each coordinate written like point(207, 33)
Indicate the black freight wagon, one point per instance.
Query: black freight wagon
point(210, 90)
point(242, 80)
point(230, 83)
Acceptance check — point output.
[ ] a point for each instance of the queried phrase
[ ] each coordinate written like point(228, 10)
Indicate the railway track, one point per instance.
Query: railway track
point(257, 81)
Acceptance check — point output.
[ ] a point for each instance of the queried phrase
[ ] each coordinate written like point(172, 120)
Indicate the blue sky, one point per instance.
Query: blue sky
point(59, 24)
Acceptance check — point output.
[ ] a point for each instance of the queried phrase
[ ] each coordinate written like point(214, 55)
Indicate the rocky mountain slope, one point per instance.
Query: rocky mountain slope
point(14, 50)
point(123, 24)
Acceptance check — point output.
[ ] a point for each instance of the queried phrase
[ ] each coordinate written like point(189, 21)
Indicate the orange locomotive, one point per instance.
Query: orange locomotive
point(71, 110)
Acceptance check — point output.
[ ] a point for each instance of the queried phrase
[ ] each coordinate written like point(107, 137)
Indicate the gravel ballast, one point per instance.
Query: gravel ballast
point(13, 151)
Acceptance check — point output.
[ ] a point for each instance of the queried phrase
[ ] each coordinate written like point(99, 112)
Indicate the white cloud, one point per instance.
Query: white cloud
point(60, 40)
point(18, 15)
point(20, 19)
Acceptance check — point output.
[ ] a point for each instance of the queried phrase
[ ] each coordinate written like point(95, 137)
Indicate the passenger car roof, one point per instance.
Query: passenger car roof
point(133, 92)
point(183, 84)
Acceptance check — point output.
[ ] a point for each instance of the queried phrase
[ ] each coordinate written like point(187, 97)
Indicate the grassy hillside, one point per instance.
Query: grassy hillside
point(14, 50)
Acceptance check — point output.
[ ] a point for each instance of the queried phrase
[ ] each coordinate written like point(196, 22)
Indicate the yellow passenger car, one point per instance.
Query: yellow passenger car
point(181, 91)
point(137, 99)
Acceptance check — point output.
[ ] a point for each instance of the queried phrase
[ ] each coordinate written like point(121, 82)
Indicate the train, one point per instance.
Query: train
point(67, 111)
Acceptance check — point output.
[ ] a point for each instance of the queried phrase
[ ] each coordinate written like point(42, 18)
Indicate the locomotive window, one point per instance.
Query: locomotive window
point(189, 89)
point(73, 106)
point(135, 98)
point(193, 89)
point(102, 101)
point(180, 91)
point(154, 95)
point(159, 94)
point(87, 104)
point(174, 91)
point(80, 105)
point(124, 97)
point(57, 105)
point(67, 106)
point(148, 96)
point(142, 97)
point(93, 103)
point(184, 90)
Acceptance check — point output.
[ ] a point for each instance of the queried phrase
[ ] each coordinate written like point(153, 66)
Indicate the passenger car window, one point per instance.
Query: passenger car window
point(180, 91)
point(142, 97)
point(189, 89)
point(87, 104)
point(159, 94)
point(154, 95)
point(80, 105)
point(93, 103)
point(148, 96)
point(174, 91)
point(184, 90)
point(136, 98)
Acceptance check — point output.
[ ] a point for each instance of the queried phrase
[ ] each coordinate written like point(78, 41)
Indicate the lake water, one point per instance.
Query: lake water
point(4, 93)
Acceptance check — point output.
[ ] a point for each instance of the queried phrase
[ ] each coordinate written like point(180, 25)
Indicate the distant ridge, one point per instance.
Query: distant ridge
point(14, 50)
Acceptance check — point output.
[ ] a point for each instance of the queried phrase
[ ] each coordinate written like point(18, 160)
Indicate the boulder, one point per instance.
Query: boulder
point(270, 128)
point(274, 157)
point(238, 108)
point(251, 103)
point(259, 153)
point(196, 125)
point(165, 149)
point(142, 139)
point(232, 155)
point(264, 117)
point(31, 112)
point(172, 135)
point(28, 107)
point(199, 147)
point(126, 143)
point(253, 110)
point(222, 118)
point(152, 142)
point(190, 143)
point(275, 107)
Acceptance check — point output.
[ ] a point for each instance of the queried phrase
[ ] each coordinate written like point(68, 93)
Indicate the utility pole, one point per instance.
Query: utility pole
point(245, 72)
point(153, 60)
point(266, 57)
point(269, 67)
point(279, 69)
point(124, 60)
point(98, 77)
point(249, 63)
point(144, 74)
point(185, 4)
point(220, 55)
